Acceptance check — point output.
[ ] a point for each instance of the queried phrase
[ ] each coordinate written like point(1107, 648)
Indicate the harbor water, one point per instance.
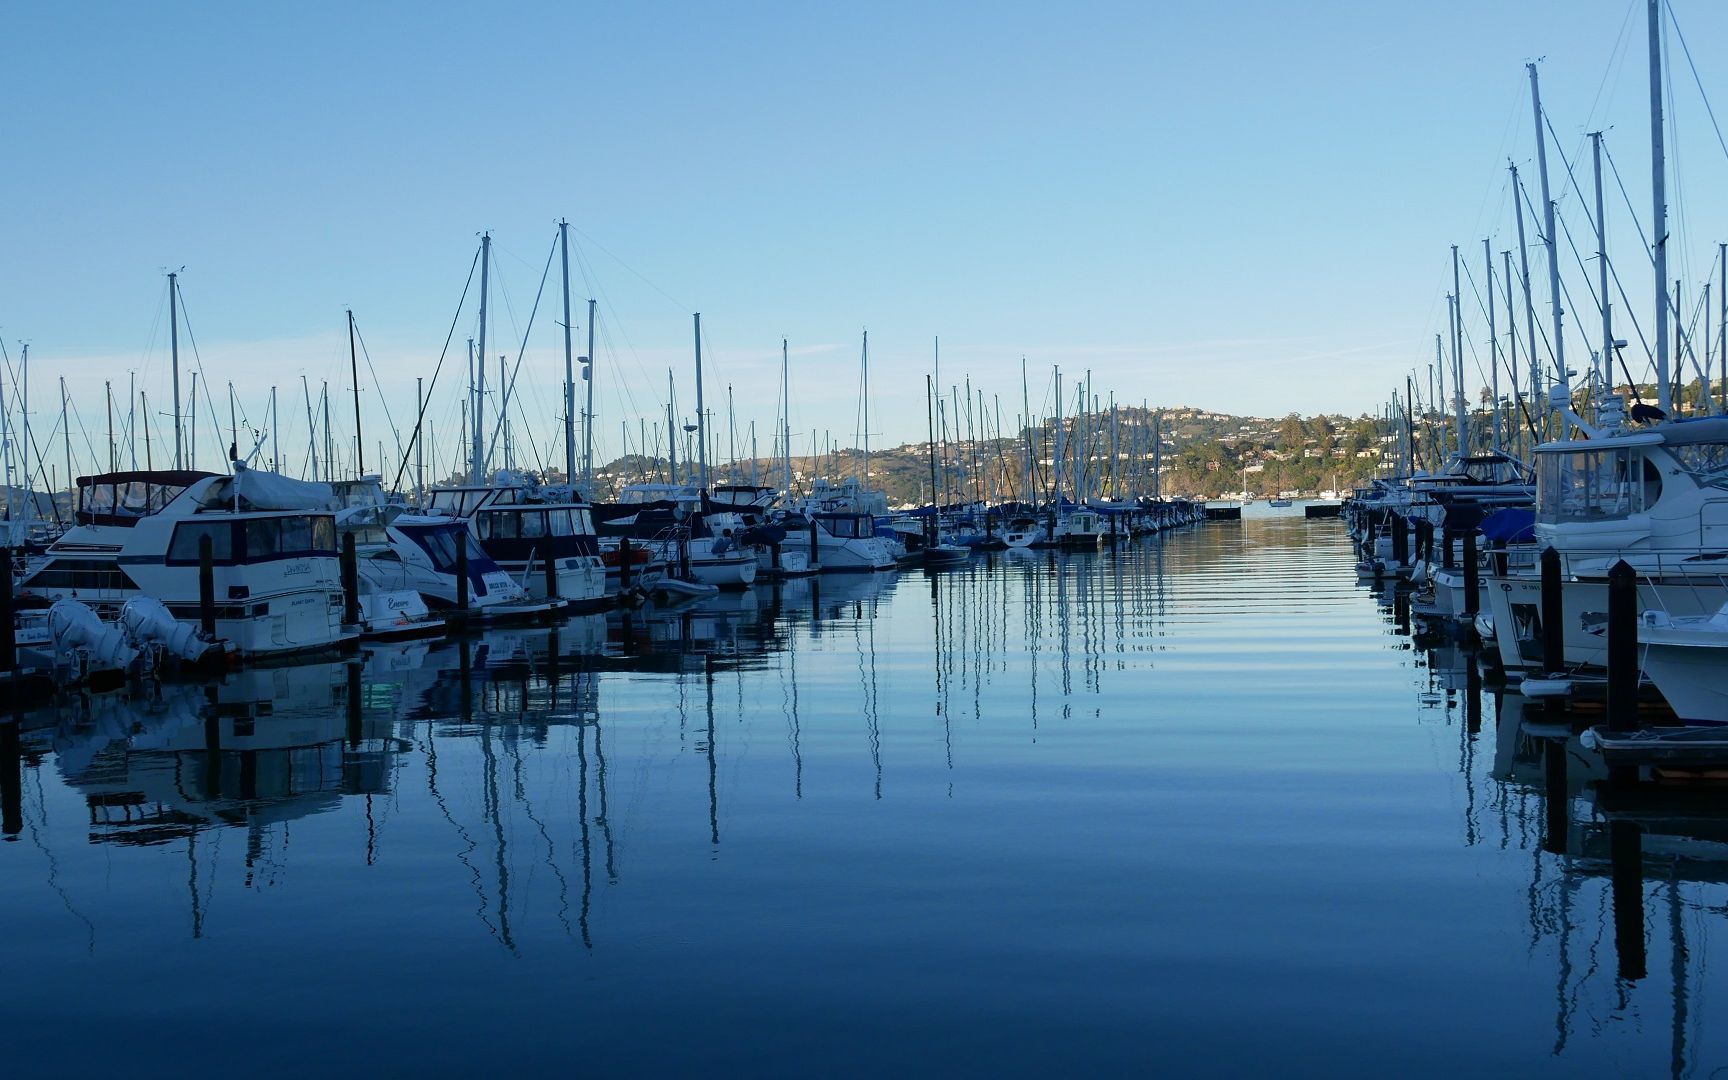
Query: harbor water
point(1203, 804)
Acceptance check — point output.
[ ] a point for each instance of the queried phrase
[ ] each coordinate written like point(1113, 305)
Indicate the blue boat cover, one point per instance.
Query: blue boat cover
point(1511, 525)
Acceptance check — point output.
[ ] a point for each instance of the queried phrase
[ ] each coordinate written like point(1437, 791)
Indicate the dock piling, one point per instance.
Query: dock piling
point(1622, 647)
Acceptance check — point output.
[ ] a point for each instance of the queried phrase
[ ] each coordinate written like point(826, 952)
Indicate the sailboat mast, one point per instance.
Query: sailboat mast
point(66, 439)
point(1061, 441)
point(588, 409)
point(477, 456)
point(354, 373)
point(419, 444)
point(786, 414)
point(1461, 433)
point(1493, 339)
point(671, 428)
point(930, 430)
point(1659, 206)
point(569, 361)
point(1026, 404)
point(108, 392)
point(866, 397)
point(701, 417)
point(174, 355)
point(1551, 242)
point(1602, 268)
point(1511, 340)
point(311, 430)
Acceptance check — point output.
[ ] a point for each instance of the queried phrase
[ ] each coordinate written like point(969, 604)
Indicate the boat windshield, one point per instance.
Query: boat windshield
point(439, 543)
point(1595, 485)
point(458, 502)
point(1705, 462)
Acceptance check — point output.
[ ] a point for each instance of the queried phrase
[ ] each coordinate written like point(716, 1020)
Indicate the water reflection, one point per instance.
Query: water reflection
point(1617, 869)
point(1179, 779)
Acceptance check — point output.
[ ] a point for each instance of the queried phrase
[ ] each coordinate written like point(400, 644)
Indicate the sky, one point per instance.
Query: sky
point(1247, 207)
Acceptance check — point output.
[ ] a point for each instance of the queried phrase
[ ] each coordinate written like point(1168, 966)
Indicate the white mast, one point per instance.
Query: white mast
point(1549, 240)
point(1602, 269)
point(477, 457)
point(701, 417)
point(1458, 360)
point(569, 364)
point(1659, 207)
point(1493, 339)
point(866, 397)
point(786, 415)
point(1031, 465)
point(174, 353)
point(588, 409)
point(1061, 441)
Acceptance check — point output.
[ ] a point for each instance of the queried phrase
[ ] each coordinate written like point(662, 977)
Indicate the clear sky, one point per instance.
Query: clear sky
point(1244, 206)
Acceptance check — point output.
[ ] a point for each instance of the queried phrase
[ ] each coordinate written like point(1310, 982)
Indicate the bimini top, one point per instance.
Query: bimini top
point(1691, 432)
point(123, 498)
point(181, 478)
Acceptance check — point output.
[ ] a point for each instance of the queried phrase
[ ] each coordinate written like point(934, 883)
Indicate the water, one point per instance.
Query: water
point(1195, 806)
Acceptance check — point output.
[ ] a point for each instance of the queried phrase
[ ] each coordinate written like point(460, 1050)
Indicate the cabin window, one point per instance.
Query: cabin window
point(90, 574)
point(512, 525)
point(268, 538)
point(1594, 485)
point(1706, 463)
point(183, 548)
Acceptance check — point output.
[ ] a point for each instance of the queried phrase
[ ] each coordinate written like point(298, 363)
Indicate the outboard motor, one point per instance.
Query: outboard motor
point(148, 622)
point(75, 628)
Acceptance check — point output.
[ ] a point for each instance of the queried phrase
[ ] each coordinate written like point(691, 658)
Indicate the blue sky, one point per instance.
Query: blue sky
point(1240, 206)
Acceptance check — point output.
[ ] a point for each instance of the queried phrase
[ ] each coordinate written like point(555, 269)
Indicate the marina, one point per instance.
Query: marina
point(1141, 539)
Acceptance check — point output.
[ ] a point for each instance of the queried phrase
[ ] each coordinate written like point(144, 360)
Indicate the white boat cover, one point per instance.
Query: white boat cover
point(261, 490)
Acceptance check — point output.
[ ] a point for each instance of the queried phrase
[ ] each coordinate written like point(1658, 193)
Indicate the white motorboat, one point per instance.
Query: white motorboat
point(277, 574)
point(1687, 659)
point(542, 538)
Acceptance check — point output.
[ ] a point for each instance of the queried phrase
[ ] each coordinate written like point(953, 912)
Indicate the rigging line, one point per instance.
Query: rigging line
point(592, 278)
point(377, 385)
point(1648, 250)
point(420, 414)
point(1583, 203)
point(1614, 57)
point(1578, 258)
point(1643, 237)
point(1471, 277)
point(509, 390)
point(680, 304)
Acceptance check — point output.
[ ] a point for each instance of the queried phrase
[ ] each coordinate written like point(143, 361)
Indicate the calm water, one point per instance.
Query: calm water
point(1197, 806)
